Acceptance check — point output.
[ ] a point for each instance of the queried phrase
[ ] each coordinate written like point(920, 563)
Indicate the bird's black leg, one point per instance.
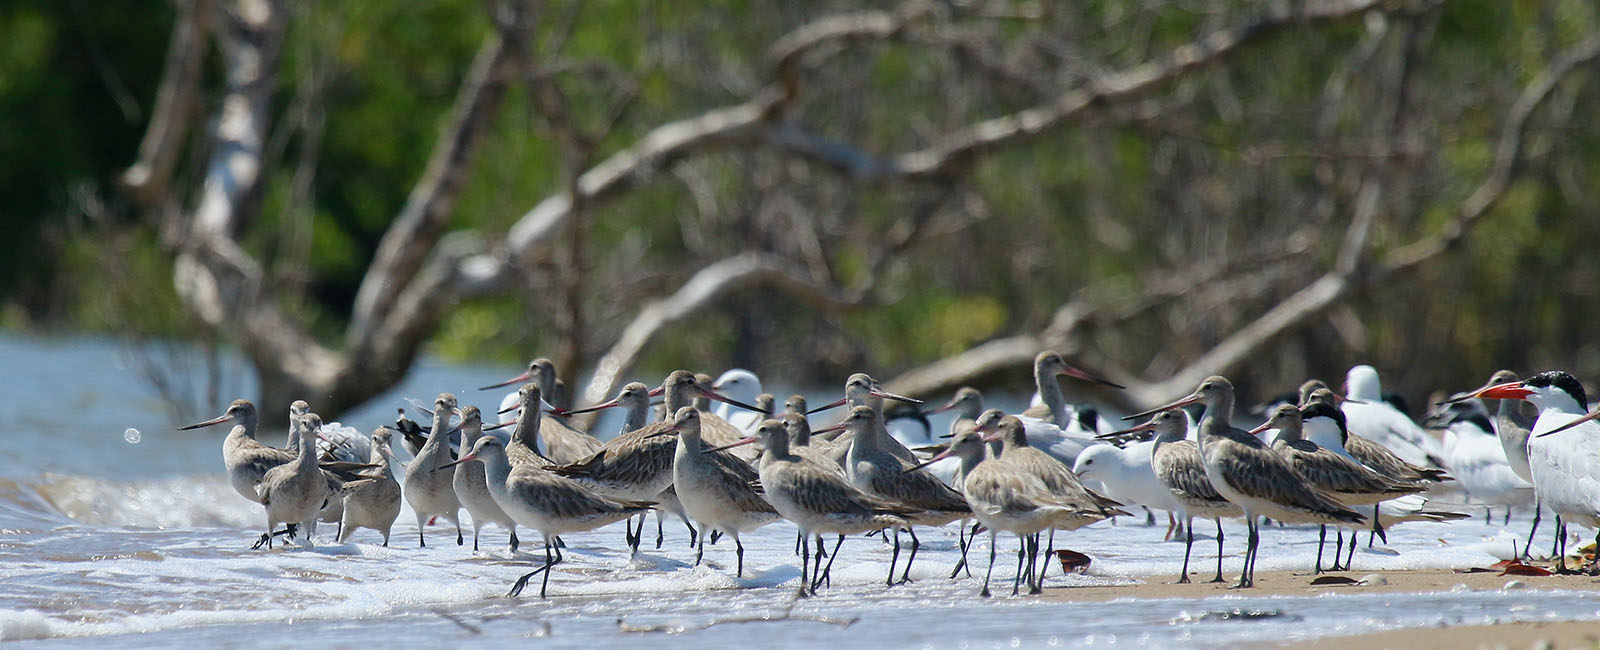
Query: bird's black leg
point(893, 558)
point(1246, 580)
point(915, 543)
point(1219, 579)
point(1044, 562)
point(1350, 558)
point(1322, 538)
point(990, 572)
point(1527, 546)
point(827, 573)
point(739, 550)
point(1561, 531)
point(522, 582)
point(1188, 545)
point(805, 558)
point(1022, 551)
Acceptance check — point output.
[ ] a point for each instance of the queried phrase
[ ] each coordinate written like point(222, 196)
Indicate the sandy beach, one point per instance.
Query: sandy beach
point(1511, 634)
point(1553, 636)
point(1299, 584)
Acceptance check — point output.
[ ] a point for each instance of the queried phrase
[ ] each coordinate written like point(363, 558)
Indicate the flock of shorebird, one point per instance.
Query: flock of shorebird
point(1351, 461)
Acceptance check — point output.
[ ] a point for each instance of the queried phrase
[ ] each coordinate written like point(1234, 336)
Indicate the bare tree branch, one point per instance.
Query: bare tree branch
point(1508, 151)
point(145, 181)
point(702, 290)
point(1351, 273)
point(755, 120)
point(421, 222)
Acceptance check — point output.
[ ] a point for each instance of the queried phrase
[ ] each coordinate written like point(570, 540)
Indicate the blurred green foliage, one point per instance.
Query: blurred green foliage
point(1235, 158)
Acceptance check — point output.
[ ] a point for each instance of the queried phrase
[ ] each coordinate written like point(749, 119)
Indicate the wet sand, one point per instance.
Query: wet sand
point(1554, 636)
point(1299, 584)
point(1582, 634)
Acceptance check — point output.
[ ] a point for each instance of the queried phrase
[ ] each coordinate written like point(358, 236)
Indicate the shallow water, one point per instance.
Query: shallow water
point(143, 544)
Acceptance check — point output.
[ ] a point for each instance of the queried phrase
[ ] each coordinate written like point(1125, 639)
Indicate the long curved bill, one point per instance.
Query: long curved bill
point(1339, 398)
point(1186, 400)
point(942, 455)
point(1473, 394)
point(878, 392)
point(1264, 426)
point(502, 425)
point(615, 402)
point(458, 461)
point(519, 378)
point(1148, 426)
point(711, 394)
point(1074, 372)
point(742, 442)
point(837, 427)
point(942, 408)
point(827, 407)
point(1592, 415)
point(418, 405)
point(216, 420)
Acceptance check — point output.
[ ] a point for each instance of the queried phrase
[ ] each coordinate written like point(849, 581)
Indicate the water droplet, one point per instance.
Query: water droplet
point(131, 435)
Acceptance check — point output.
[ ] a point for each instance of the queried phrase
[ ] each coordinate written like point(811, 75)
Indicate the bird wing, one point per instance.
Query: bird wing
point(1260, 473)
point(742, 485)
point(1336, 473)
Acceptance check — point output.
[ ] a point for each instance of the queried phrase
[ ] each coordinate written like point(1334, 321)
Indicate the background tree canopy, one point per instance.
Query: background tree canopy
point(1159, 189)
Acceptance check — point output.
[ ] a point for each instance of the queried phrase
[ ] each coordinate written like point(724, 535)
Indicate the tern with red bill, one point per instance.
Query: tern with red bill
point(1513, 427)
point(542, 501)
point(430, 492)
point(1249, 474)
point(1563, 450)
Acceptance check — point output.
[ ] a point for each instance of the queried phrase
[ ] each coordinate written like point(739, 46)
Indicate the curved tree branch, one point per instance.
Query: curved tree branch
point(145, 181)
point(1352, 272)
point(421, 221)
point(701, 291)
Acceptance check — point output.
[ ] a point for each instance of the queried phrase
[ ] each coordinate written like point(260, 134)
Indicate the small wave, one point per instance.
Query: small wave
point(23, 625)
point(176, 502)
